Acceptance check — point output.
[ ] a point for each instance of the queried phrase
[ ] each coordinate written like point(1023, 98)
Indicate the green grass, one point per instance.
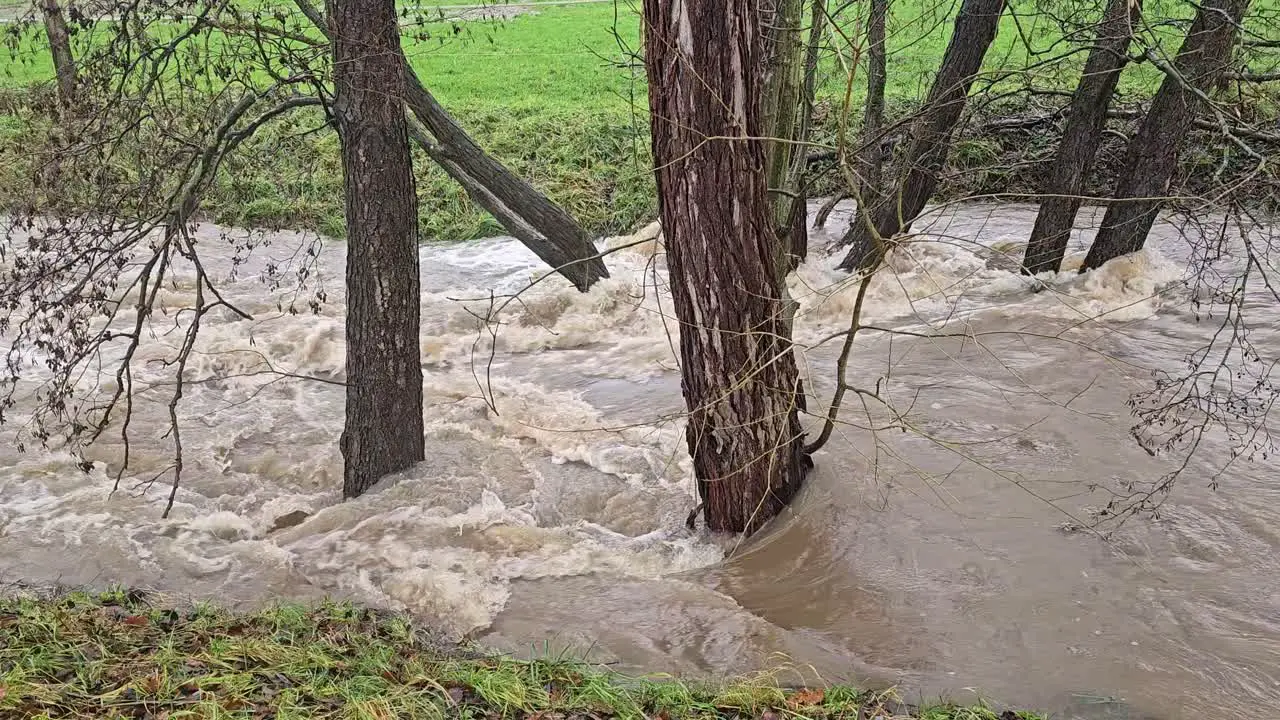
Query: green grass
point(125, 654)
point(544, 94)
point(564, 56)
point(546, 62)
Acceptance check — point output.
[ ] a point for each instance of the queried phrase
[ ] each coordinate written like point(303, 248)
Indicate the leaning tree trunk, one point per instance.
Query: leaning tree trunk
point(527, 214)
point(64, 64)
point(384, 429)
point(543, 227)
point(1086, 119)
point(705, 62)
point(975, 29)
point(1153, 154)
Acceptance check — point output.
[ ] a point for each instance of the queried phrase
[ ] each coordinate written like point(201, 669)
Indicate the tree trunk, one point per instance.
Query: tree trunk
point(384, 429)
point(705, 65)
point(527, 214)
point(975, 29)
point(785, 116)
point(1153, 154)
point(64, 64)
point(790, 82)
point(798, 177)
point(825, 210)
point(1085, 121)
point(530, 217)
point(870, 159)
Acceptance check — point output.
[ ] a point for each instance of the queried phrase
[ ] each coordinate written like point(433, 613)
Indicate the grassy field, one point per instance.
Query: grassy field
point(548, 94)
point(566, 56)
point(124, 654)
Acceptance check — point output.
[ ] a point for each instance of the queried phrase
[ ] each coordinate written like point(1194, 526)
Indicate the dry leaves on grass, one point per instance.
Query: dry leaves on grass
point(806, 698)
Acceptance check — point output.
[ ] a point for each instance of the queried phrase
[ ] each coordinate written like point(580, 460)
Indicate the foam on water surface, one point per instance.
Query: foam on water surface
point(556, 453)
point(487, 508)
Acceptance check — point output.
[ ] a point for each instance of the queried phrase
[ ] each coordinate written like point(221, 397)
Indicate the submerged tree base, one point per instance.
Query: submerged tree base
point(129, 654)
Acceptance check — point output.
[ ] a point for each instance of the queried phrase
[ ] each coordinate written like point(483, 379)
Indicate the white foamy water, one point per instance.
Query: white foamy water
point(552, 502)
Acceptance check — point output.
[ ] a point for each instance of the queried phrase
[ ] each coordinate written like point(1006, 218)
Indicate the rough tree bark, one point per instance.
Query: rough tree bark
point(705, 64)
point(869, 160)
point(1153, 154)
point(530, 217)
point(785, 117)
point(1086, 119)
point(930, 137)
point(798, 177)
point(64, 64)
point(384, 429)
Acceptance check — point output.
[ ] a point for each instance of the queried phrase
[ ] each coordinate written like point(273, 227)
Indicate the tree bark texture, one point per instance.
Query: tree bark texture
point(785, 118)
point(798, 178)
point(705, 65)
point(64, 64)
point(1086, 119)
point(930, 137)
point(1152, 156)
point(870, 158)
point(384, 429)
point(530, 217)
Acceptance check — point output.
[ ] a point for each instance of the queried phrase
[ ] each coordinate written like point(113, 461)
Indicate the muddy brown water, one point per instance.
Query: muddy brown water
point(550, 515)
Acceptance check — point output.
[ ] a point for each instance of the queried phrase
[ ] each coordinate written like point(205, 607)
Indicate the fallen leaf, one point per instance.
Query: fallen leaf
point(806, 698)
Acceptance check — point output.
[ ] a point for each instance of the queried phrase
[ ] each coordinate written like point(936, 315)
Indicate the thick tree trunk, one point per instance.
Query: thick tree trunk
point(1086, 119)
point(705, 61)
point(975, 29)
point(1153, 154)
point(786, 121)
point(530, 217)
point(64, 64)
point(384, 429)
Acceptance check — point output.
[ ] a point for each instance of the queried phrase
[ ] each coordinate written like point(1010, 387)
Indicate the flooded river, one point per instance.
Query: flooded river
point(942, 559)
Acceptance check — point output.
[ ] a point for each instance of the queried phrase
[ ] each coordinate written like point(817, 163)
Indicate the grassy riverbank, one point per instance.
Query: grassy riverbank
point(545, 93)
point(124, 654)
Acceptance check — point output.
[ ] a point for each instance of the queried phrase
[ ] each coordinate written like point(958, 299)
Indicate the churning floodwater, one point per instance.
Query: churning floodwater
point(550, 511)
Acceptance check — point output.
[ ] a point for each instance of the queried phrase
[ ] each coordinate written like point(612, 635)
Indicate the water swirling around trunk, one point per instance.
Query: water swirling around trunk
point(938, 563)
